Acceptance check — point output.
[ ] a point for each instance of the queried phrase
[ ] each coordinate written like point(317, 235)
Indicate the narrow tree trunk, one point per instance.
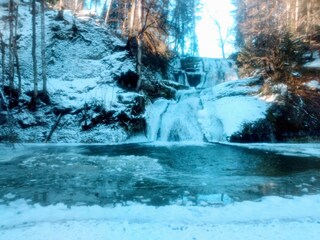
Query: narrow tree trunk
point(60, 16)
point(43, 49)
point(312, 17)
point(108, 12)
point(11, 47)
point(125, 14)
point(3, 57)
point(182, 38)
point(34, 46)
point(95, 7)
point(15, 51)
point(53, 128)
point(132, 18)
point(139, 55)
point(288, 16)
point(297, 14)
point(139, 43)
point(16, 56)
point(75, 5)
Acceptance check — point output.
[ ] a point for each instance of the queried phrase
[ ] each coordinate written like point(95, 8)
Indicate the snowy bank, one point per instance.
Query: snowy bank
point(271, 218)
point(287, 149)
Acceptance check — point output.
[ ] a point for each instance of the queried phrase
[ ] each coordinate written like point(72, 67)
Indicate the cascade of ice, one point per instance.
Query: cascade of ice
point(175, 120)
point(192, 116)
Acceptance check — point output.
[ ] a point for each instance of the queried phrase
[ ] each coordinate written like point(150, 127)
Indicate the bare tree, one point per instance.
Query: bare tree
point(223, 38)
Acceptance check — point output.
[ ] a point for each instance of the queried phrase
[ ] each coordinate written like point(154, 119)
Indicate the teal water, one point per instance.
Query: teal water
point(149, 174)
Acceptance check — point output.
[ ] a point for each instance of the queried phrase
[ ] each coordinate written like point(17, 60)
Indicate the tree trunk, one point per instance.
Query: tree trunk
point(297, 14)
point(132, 17)
point(11, 47)
point(3, 57)
point(125, 14)
point(108, 12)
point(15, 51)
point(139, 63)
point(53, 128)
point(34, 46)
point(288, 16)
point(16, 56)
point(60, 16)
point(96, 7)
point(139, 44)
point(43, 49)
point(75, 6)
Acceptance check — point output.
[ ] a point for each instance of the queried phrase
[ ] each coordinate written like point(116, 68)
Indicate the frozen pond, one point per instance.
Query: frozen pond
point(157, 175)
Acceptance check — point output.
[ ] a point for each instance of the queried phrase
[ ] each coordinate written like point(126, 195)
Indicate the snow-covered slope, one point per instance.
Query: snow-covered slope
point(84, 60)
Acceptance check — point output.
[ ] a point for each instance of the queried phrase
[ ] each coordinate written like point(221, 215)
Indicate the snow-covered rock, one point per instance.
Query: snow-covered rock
point(315, 63)
point(227, 106)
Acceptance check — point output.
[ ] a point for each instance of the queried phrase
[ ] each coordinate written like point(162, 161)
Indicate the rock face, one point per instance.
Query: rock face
point(204, 72)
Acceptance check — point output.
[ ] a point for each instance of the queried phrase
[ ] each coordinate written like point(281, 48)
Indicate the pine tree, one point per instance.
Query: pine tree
point(183, 27)
point(272, 34)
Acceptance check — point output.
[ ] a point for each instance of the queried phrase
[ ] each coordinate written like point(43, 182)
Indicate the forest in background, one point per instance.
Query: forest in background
point(271, 35)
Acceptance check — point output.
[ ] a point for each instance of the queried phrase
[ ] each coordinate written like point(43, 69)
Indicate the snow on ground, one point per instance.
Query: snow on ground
point(289, 149)
point(314, 84)
point(271, 218)
point(315, 64)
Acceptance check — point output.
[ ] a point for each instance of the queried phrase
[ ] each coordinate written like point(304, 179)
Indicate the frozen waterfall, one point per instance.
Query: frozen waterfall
point(187, 118)
point(184, 119)
point(213, 114)
point(175, 120)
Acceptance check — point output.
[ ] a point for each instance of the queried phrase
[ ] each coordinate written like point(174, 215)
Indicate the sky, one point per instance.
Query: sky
point(206, 30)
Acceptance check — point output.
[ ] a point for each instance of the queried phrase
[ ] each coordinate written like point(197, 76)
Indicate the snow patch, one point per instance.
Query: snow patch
point(313, 84)
point(292, 218)
point(289, 149)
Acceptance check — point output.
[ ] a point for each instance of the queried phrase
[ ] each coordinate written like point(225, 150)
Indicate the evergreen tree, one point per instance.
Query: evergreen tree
point(183, 27)
point(272, 34)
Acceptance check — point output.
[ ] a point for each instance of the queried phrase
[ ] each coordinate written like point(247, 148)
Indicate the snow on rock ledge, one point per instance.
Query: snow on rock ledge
point(227, 106)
